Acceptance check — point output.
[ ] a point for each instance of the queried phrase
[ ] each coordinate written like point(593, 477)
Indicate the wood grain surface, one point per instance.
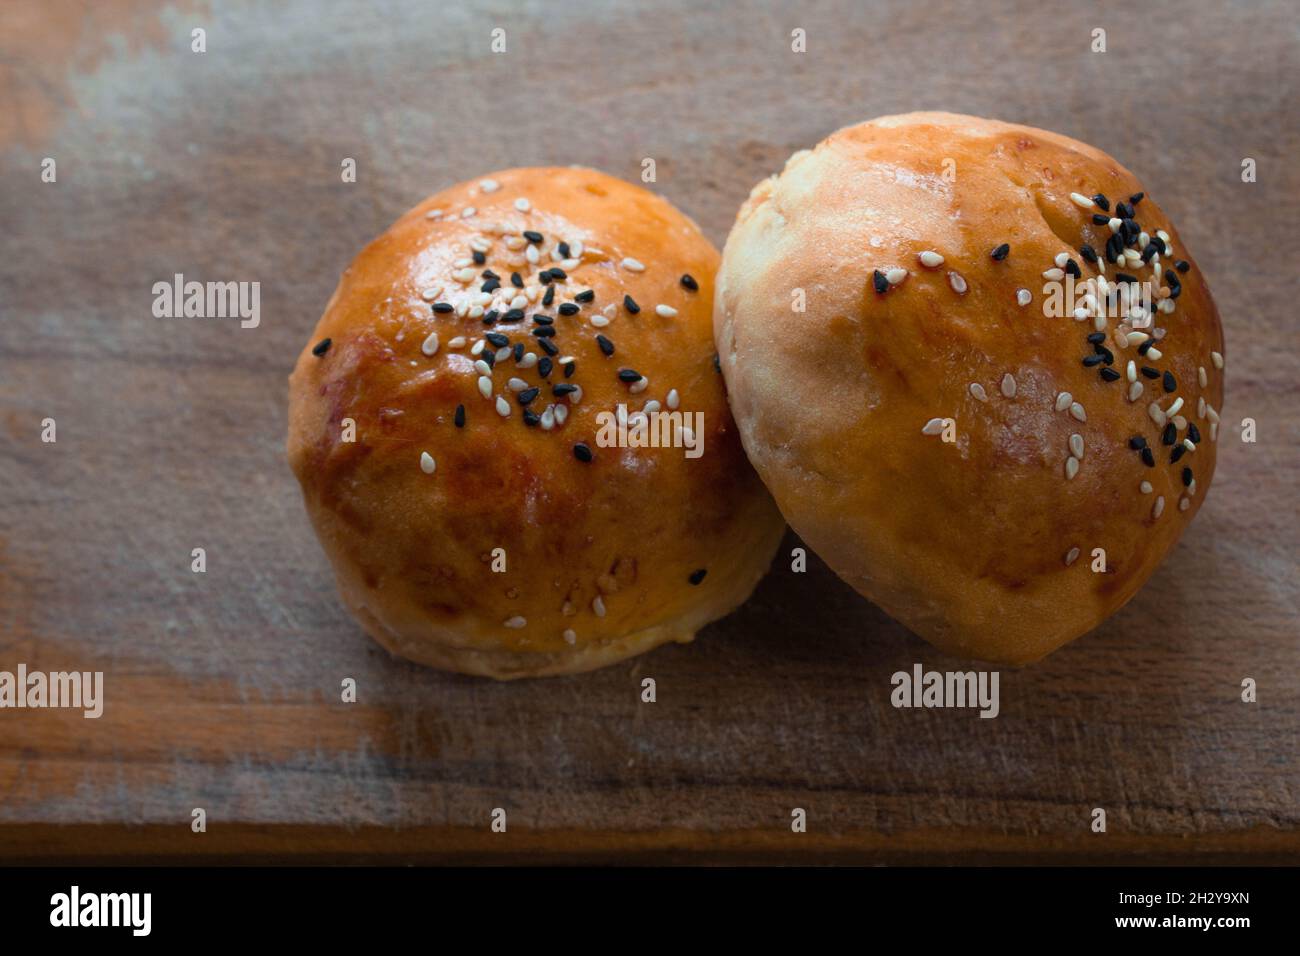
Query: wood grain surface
point(223, 688)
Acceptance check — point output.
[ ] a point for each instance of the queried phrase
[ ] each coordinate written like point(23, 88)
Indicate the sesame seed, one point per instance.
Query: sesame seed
point(582, 452)
point(1184, 503)
point(489, 185)
point(1217, 359)
point(879, 281)
point(698, 576)
point(1174, 408)
point(1077, 411)
point(933, 427)
point(570, 636)
point(522, 204)
point(977, 390)
point(1071, 556)
point(1054, 275)
point(632, 265)
point(460, 416)
point(433, 214)
point(503, 407)
point(1000, 252)
point(957, 282)
point(1009, 385)
point(1109, 375)
point(598, 606)
point(599, 321)
point(1081, 200)
point(586, 295)
point(321, 347)
point(895, 276)
point(629, 375)
point(430, 346)
point(1159, 508)
point(606, 346)
point(427, 464)
point(1024, 297)
point(931, 260)
point(568, 308)
point(1145, 488)
point(1063, 401)
point(516, 622)
point(1076, 446)
point(467, 212)
point(1061, 259)
point(1134, 391)
point(1148, 458)
point(1157, 414)
point(629, 303)
point(665, 311)
point(1169, 382)
point(673, 399)
point(485, 386)
point(1071, 467)
point(688, 282)
point(443, 308)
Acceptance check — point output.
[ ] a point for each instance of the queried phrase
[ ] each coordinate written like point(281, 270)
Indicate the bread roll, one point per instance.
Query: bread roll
point(473, 518)
point(952, 442)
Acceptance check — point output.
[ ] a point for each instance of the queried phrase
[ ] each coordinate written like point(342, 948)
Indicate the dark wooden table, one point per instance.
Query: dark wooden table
point(223, 687)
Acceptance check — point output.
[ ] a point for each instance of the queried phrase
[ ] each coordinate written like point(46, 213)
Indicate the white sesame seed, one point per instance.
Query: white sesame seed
point(457, 343)
point(1054, 275)
point(427, 464)
point(933, 427)
point(483, 368)
point(522, 204)
point(489, 185)
point(1115, 224)
point(1076, 446)
point(895, 276)
point(1173, 409)
point(650, 407)
point(673, 399)
point(1131, 371)
point(957, 282)
point(503, 407)
point(598, 606)
point(1063, 401)
point(570, 636)
point(433, 214)
point(516, 622)
point(1157, 414)
point(1077, 411)
point(931, 260)
point(502, 354)
point(1214, 431)
point(528, 361)
point(1134, 391)
point(977, 390)
point(1071, 556)
point(1191, 487)
point(1071, 467)
point(463, 275)
point(430, 346)
point(467, 212)
point(1099, 323)
point(1024, 297)
point(632, 265)
point(532, 255)
point(463, 263)
point(516, 384)
point(1209, 410)
point(1081, 200)
point(1155, 355)
point(515, 243)
point(485, 386)
point(1159, 507)
point(431, 293)
point(548, 418)
point(561, 413)
point(1121, 338)
point(599, 321)
point(1145, 488)
point(1009, 385)
point(1201, 377)
point(639, 386)
point(1184, 503)
point(1061, 259)
point(575, 396)
point(666, 311)
point(477, 347)
point(1179, 422)
point(519, 301)
point(1218, 360)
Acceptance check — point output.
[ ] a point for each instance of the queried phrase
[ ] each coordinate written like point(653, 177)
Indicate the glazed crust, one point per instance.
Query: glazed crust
point(970, 543)
point(413, 551)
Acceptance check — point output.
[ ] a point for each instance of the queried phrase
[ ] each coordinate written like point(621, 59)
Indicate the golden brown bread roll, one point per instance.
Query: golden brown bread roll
point(949, 448)
point(608, 551)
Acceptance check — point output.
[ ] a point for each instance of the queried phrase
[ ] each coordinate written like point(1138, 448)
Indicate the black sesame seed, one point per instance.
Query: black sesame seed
point(1109, 375)
point(1182, 265)
point(558, 273)
point(1096, 338)
point(1148, 251)
point(442, 308)
point(1150, 372)
point(698, 576)
point(490, 316)
point(629, 375)
point(1178, 452)
point(527, 395)
point(1136, 198)
point(549, 347)
point(544, 277)
point(1187, 477)
point(1193, 433)
point(543, 319)
point(581, 452)
point(1169, 435)
point(1125, 211)
point(516, 280)
point(544, 367)
point(518, 352)
point(568, 308)
point(490, 286)
point(479, 258)
point(629, 303)
point(533, 237)
point(1148, 458)
point(586, 295)
point(1137, 443)
point(550, 295)
point(1124, 277)
point(513, 315)
point(1099, 220)
point(605, 344)
point(1088, 253)
point(489, 274)
point(1000, 252)
point(544, 331)
point(531, 417)
point(497, 339)
point(717, 363)
point(1102, 201)
point(1072, 268)
point(321, 347)
point(1090, 360)
point(1170, 383)
point(564, 388)
point(569, 368)
point(490, 357)
point(460, 416)
point(1107, 355)
point(564, 249)
point(688, 281)
point(1145, 347)
point(879, 281)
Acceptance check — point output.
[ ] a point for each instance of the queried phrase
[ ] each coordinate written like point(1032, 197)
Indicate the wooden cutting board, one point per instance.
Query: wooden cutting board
point(223, 688)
